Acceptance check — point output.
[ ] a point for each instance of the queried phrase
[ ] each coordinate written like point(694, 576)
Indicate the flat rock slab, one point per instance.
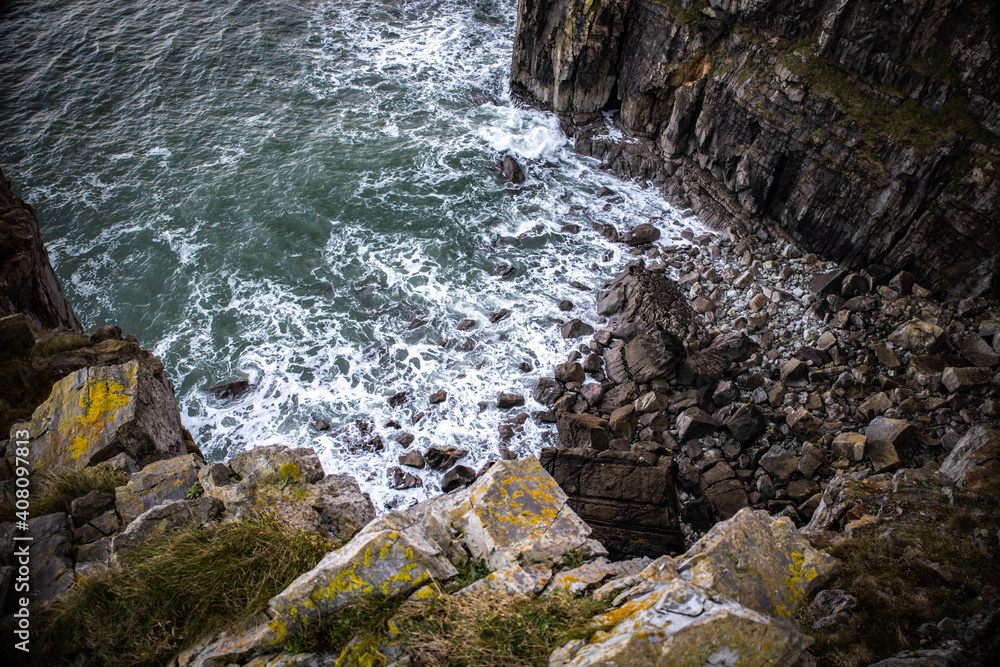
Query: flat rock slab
point(894, 431)
point(50, 566)
point(584, 430)
point(519, 513)
point(588, 575)
point(165, 518)
point(631, 505)
point(684, 625)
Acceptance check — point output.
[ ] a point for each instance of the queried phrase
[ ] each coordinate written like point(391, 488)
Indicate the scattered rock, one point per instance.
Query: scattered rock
point(400, 479)
point(641, 234)
point(695, 423)
point(894, 431)
point(230, 390)
point(746, 423)
point(443, 458)
point(511, 170)
point(457, 477)
point(919, 337)
point(571, 371)
point(584, 430)
point(506, 401)
point(883, 455)
point(960, 379)
point(779, 462)
point(547, 391)
point(412, 459)
point(499, 315)
point(576, 328)
point(849, 446)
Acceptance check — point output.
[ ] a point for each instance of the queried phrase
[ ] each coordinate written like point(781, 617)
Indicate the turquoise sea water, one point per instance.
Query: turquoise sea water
point(285, 191)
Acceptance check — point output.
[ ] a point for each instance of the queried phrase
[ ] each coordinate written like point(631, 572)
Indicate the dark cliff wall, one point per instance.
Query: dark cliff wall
point(866, 131)
point(27, 283)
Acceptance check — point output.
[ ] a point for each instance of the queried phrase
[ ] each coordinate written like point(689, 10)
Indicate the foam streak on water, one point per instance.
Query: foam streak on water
point(278, 191)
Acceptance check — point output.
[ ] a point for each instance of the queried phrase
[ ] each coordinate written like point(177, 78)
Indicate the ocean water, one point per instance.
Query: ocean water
point(301, 194)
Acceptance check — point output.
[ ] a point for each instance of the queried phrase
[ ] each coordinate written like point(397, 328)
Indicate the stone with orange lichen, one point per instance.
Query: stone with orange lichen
point(291, 484)
point(511, 580)
point(378, 563)
point(579, 579)
point(680, 625)
point(157, 483)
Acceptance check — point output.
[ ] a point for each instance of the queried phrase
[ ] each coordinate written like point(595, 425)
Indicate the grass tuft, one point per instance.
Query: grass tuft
point(494, 628)
point(172, 592)
point(929, 569)
point(331, 634)
point(58, 489)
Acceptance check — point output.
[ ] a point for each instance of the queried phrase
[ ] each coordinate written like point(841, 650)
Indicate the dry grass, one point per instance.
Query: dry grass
point(172, 592)
point(56, 490)
point(493, 628)
point(930, 569)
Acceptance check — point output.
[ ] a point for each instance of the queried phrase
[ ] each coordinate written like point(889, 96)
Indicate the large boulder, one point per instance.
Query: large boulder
point(638, 295)
point(681, 625)
point(291, 484)
point(584, 430)
point(631, 505)
point(653, 354)
point(159, 482)
point(721, 605)
point(759, 561)
point(974, 463)
point(518, 513)
point(96, 413)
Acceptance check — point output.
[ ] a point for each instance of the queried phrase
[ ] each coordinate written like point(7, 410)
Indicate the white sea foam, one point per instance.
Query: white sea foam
point(322, 232)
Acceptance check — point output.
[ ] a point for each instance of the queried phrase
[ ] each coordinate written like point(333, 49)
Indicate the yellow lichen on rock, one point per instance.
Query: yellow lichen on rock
point(78, 424)
point(517, 510)
point(762, 562)
point(680, 625)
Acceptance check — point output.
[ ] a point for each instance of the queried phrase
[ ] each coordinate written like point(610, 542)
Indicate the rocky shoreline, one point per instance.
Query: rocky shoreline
point(813, 372)
point(763, 409)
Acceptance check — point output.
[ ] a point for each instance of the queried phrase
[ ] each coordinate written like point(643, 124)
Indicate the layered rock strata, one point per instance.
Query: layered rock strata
point(867, 132)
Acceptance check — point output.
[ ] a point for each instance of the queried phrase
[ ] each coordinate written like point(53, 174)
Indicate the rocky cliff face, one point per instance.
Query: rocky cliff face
point(27, 283)
point(863, 130)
